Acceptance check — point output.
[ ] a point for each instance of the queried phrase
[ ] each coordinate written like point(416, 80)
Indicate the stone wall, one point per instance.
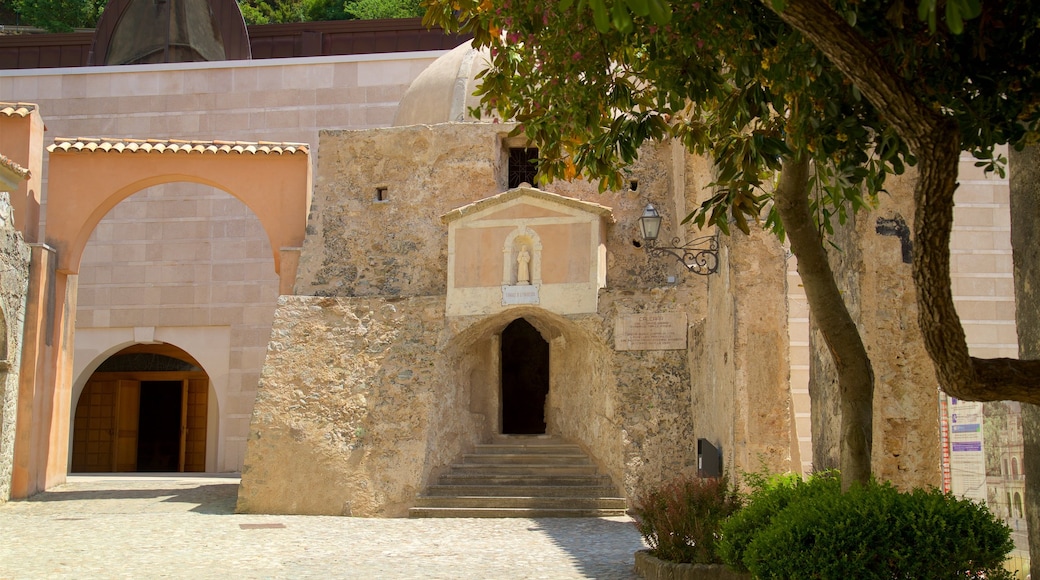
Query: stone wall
point(349, 399)
point(369, 391)
point(14, 280)
point(878, 289)
point(741, 398)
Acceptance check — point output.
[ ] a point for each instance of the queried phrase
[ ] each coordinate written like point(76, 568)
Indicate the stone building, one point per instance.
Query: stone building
point(14, 277)
point(350, 338)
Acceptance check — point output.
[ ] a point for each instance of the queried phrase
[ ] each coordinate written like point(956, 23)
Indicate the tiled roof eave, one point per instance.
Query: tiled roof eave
point(10, 166)
point(16, 109)
point(173, 146)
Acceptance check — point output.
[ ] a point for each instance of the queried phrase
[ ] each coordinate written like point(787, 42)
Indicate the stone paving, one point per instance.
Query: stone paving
point(185, 527)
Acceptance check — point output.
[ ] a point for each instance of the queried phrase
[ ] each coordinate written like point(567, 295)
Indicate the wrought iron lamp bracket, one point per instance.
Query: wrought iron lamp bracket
point(699, 255)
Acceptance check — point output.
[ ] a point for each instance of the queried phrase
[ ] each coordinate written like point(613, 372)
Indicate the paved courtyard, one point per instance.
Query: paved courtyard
point(184, 527)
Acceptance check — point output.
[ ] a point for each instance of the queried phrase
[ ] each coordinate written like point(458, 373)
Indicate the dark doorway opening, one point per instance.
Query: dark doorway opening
point(525, 378)
point(159, 430)
point(145, 408)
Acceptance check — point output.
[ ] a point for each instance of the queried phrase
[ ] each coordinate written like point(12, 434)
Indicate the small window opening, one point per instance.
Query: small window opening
point(523, 166)
point(382, 194)
point(633, 185)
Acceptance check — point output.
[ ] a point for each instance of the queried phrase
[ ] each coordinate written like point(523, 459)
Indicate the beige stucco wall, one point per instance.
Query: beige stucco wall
point(185, 256)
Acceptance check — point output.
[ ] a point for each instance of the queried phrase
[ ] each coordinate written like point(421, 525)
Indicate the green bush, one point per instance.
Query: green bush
point(792, 529)
point(680, 520)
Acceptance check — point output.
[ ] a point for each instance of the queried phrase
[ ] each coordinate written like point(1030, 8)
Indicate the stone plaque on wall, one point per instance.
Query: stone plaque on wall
point(663, 331)
point(519, 295)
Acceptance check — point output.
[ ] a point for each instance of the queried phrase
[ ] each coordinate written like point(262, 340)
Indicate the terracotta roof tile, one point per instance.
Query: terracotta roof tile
point(16, 109)
point(108, 144)
point(6, 163)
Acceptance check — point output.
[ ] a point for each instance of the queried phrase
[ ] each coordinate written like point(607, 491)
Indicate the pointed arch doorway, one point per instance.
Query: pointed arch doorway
point(145, 409)
point(525, 379)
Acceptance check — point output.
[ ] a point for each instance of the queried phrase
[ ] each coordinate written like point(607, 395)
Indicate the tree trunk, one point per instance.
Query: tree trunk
point(935, 141)
point(1025, 222)
point(831, 315)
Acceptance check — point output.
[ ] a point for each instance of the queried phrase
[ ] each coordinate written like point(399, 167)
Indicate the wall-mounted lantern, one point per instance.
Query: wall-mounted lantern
point(700, 255)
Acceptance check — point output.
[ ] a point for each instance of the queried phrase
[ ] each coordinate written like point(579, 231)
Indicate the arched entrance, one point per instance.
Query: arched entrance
point(143, 410)
point(525, 378)
point(86, 179)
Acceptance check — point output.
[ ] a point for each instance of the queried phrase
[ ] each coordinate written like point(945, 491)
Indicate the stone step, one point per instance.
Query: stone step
point(417, 512)
point(527, 458)
point(522, 469)
point(546, 448)
point(521, 476)
point(527, 440)
point(512, 490)
point(537, 479)
point(468, 502)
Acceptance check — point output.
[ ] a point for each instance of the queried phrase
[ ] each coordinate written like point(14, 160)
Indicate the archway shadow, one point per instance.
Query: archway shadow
point(599, 547)
point(214, 498)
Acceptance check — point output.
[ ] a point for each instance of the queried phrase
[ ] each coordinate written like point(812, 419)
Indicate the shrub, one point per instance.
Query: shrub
point(769, 497)
point(680, 520)
point(812, 530)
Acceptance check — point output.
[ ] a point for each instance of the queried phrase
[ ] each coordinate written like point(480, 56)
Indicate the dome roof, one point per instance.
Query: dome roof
point(443, 92)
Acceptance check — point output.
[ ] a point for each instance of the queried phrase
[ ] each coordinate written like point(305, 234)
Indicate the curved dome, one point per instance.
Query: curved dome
point(443, 92)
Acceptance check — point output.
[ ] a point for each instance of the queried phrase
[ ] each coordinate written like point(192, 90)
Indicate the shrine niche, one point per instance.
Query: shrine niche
point(526, 247)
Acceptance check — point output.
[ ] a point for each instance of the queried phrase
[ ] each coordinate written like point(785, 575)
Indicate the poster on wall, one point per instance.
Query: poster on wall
point(966, 455)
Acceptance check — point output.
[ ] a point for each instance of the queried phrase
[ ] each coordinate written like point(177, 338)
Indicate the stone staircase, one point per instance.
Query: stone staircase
point(522, 476)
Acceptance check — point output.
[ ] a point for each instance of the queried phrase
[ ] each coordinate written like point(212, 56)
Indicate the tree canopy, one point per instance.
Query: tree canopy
point(788, 114)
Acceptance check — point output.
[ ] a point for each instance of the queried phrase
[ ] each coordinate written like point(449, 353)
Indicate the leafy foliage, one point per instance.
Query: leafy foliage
point(275, 11)
point(726, 78)
point(680, 520)
point(590, 81)
point(372, 9)
point(58, 15)
point(64, 15)
point(794, 529)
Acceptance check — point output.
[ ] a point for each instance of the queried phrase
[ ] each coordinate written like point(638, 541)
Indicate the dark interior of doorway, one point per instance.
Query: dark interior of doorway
point(159, 437)
point(525, 378)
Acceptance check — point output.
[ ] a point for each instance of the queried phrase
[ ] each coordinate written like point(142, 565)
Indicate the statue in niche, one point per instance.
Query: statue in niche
point(523, 267)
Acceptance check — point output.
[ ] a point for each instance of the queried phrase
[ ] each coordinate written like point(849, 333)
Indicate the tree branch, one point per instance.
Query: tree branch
point(831, 315)
point(936, 142)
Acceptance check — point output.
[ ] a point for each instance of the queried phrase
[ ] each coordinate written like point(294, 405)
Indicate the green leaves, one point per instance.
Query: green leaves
point(618, 14)
point(957, 11)
point(59, 15)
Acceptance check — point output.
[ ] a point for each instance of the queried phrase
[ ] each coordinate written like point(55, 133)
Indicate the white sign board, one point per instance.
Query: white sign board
point(526, 294)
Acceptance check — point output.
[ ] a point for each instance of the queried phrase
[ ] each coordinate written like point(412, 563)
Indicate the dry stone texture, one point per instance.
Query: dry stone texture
point(14, 280)
point(369, 391)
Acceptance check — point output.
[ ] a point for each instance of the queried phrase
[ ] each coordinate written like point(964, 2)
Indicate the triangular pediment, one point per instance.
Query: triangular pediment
point(522, 211)
point(527, 203)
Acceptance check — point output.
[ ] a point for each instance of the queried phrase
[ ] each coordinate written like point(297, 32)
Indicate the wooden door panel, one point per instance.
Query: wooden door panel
point(128, 410)
point(95, 428)
point(196, 418)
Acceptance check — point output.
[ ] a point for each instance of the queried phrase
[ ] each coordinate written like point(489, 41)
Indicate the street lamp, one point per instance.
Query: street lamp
point(700, 255)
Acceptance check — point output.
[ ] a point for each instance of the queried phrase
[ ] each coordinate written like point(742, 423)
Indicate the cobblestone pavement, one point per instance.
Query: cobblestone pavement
point(184, 527)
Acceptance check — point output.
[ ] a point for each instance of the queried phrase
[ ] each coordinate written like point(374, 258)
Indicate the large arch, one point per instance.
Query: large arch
point(87, 177)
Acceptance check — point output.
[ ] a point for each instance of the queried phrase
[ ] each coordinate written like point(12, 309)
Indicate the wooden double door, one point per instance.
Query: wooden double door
point(141, 422)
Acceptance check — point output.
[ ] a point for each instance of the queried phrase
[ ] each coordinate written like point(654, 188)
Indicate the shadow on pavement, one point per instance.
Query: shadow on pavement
point(211, 498)
point(584, 539)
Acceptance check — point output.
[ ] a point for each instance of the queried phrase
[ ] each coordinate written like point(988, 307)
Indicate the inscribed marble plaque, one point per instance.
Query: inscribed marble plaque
point(664, 331)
